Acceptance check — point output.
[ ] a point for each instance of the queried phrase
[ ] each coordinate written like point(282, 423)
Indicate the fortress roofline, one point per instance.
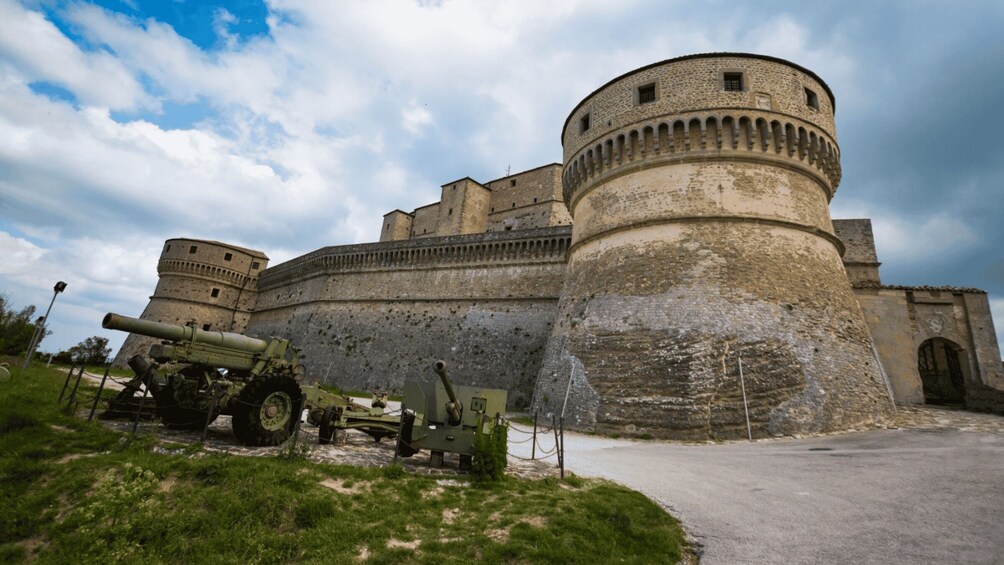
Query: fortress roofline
point(826, 87)
point(524, 172)
point(251, 252)
point(398, 210)
point(462, 179)
point(426, 206)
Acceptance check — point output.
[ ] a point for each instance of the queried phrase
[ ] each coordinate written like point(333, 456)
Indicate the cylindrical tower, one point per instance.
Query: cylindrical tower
point(209, 284)
point(699, 189)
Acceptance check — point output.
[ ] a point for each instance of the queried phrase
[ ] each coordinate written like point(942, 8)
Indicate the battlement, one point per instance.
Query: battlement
point(540, 245)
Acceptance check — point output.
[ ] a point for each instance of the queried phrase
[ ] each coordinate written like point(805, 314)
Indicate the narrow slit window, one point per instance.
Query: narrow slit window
point(811, 99)
point(732, 82)
point(584, 124)
point(646, 94)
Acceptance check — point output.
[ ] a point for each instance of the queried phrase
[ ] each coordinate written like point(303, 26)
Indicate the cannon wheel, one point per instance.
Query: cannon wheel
point(267, 409)
point(326, 434)
point(176, 416)
point(404, 449)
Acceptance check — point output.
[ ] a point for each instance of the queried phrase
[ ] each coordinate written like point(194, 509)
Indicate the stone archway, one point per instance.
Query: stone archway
point(943, 367)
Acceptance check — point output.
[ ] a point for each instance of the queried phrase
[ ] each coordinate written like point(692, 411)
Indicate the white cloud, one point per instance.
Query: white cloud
point(17, 255)
point(414, 117)
point(42, 53)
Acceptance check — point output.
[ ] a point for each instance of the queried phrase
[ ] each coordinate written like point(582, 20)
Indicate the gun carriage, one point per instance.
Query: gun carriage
point(442, 418)
point(197, 375)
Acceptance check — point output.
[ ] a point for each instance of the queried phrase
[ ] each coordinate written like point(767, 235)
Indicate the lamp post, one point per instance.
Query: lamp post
point(39, 331)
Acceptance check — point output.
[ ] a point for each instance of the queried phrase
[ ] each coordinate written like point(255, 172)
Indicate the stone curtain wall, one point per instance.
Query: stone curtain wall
point(702, 235)
point(373, 315)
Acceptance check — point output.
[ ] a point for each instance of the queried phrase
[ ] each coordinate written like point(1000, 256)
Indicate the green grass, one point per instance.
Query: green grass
point(76, 492)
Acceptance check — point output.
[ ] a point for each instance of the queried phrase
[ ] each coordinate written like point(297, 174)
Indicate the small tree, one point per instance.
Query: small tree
point(92, 351)
point(16, 328)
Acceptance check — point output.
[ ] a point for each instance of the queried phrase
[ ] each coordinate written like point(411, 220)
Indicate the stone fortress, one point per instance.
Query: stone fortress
point(702, 264)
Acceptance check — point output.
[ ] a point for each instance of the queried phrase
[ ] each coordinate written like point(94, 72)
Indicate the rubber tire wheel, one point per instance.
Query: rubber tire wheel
point(327, 433)
point(404, 436)
point(247, 422)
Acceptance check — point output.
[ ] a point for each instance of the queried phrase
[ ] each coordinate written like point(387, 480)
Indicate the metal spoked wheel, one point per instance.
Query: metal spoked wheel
point(267, 410)
point(175, 414)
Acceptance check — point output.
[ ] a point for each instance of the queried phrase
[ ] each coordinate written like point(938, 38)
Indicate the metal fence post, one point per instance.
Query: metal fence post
point(76, 385)
point(533, 452)
point(561, 449)
point(66, 383)
point(97, 396)
point(139, 410)
point(746, 408)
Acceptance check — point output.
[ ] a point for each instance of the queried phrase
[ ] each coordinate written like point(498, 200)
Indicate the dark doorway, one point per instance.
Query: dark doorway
point(942, 366)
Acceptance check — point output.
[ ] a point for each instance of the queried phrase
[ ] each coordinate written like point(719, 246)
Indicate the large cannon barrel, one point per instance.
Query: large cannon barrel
point(172, 332)
point(453, 406)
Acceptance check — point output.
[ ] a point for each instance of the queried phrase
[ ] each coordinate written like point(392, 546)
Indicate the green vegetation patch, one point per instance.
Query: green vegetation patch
point(78, 492)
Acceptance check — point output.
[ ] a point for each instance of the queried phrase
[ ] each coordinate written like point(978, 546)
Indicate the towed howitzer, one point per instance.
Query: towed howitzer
point(255, 381)
point(441, 417)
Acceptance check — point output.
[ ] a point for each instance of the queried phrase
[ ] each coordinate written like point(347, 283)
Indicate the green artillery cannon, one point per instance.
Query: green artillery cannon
point(444, 418)
point(198, 375)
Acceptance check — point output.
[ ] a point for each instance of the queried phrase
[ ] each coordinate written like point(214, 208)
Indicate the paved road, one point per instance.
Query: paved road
point(885, 496)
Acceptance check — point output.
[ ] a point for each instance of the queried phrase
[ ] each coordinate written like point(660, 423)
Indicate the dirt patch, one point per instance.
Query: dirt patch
point(63, 429)
point(31, 546)
point(364, 553)
point(393, 543)
point(340, 486)
point(450, 514)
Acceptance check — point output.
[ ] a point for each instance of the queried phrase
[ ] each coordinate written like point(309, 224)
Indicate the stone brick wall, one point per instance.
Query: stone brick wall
point(860, 259)
point(425, 221)
point(396, 226)
point(373, 315)
point(901, 319)
point(527, 200)
point(463, 208)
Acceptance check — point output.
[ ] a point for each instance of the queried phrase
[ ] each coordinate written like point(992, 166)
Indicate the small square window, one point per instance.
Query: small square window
point(584, 124)
point(193, 249)
point(205, 327)
point(732, 82)
point(228, 256)
point(811, 99)
point(512, 182)
point(646, 94)
point(214, 293)
point(255, 265)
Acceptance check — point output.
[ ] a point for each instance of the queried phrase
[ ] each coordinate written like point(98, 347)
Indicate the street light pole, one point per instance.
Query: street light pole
point(60, 287)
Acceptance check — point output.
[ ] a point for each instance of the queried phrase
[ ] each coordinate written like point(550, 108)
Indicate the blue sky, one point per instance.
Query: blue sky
point(290, 125)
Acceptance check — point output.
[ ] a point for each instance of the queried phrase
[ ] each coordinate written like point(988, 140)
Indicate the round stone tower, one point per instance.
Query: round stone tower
point(699, 188)
point(209, 284)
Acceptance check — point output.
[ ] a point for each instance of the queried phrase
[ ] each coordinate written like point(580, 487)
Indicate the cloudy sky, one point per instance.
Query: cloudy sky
point(288, 125)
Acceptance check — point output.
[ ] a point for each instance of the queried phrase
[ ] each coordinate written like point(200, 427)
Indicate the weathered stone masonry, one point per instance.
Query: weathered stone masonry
point(699, 188)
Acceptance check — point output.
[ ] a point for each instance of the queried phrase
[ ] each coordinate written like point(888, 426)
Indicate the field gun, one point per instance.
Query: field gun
point(441, 417)
point(197, 375)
